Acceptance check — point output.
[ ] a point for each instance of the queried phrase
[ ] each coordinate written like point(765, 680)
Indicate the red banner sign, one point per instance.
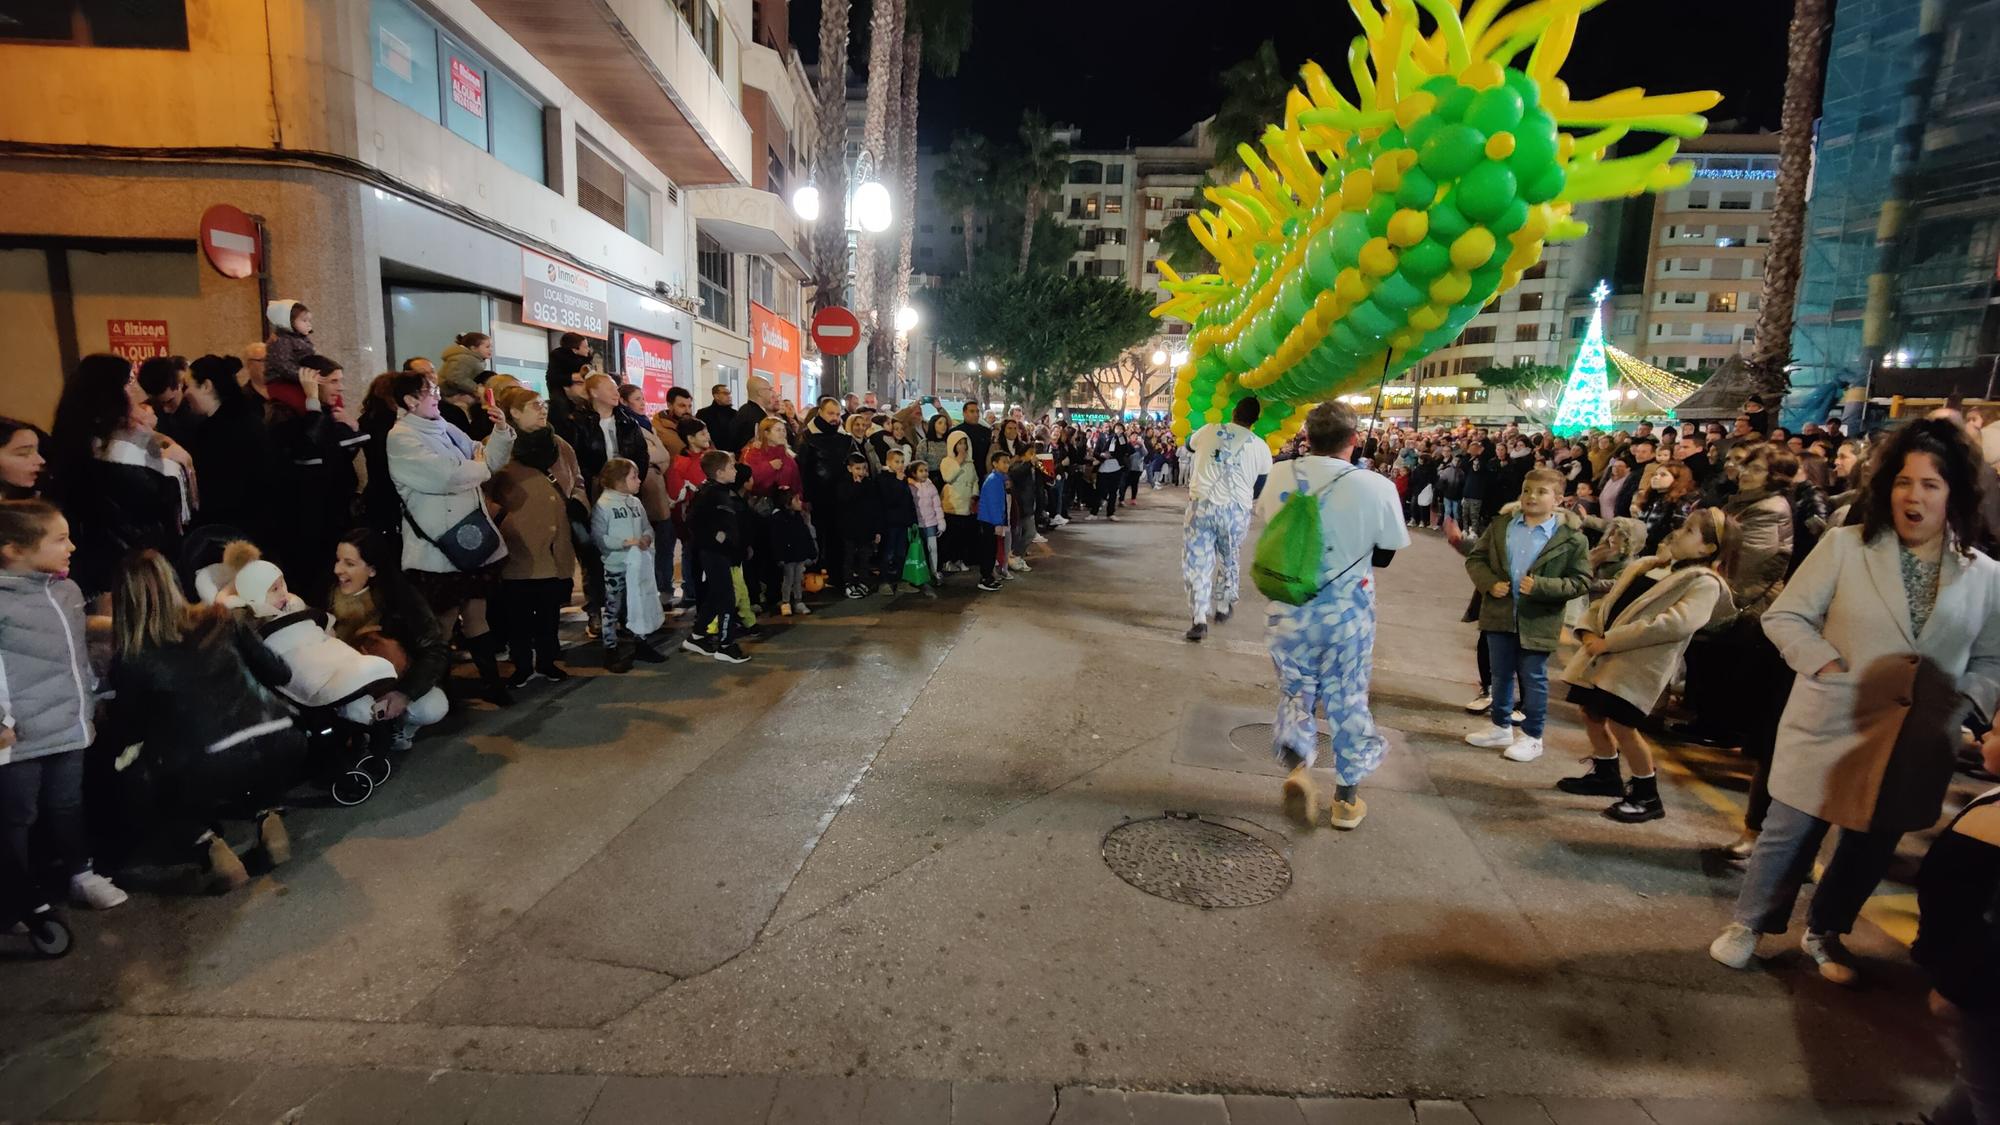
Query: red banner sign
point(774, 351)
point(468, 87)
point(137, 340)
point(649, 362)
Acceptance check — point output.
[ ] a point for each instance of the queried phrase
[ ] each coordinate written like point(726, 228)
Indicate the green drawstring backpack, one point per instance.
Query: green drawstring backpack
point(1291, 548)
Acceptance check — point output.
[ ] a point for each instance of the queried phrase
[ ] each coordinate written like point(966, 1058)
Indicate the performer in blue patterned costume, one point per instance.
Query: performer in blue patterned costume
point(1229, 467)
point(1324, 649)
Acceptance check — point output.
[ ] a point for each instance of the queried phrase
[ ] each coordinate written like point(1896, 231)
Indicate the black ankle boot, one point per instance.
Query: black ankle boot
point(1641, 803)
point(484, 649)
point(1603, 780)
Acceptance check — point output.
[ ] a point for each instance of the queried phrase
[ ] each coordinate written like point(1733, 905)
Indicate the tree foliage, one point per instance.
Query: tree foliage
point(1040, 166)
point(1522, 377)
point(1047, 329)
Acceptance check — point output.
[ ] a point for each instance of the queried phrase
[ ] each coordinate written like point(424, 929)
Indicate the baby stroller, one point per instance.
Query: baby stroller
point(21, 904)
point(345, 757)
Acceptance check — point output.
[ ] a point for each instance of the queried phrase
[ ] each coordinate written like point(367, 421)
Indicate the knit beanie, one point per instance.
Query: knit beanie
point(254, 581)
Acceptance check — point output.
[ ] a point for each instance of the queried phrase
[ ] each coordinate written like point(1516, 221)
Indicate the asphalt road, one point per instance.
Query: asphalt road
point(875, 851)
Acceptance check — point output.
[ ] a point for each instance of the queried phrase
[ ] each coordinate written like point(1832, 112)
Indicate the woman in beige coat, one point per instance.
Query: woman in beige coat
point(1629, 646)
point(1893, 628)
point(534, 492)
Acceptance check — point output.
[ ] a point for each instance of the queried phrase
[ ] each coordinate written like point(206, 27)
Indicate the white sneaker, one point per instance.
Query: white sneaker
point(1060, 521)
point(1483, 702)
point(1491, 738)
point(95, 891)
point(1018, 565)
point(1836, 965)
point(1524, 750)
point(1736, 947)
point(1039, 538)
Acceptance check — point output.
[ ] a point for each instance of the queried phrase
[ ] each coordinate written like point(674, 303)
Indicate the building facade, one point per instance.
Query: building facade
point(1887, 83)
point(415, 169)
point(1705, 258)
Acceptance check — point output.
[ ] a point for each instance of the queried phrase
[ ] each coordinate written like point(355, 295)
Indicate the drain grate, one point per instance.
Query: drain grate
point(1184, 859)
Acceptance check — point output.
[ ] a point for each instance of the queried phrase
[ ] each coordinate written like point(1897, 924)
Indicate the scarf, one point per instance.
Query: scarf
point(353, 613)
point(125, 451)
point(537, 449)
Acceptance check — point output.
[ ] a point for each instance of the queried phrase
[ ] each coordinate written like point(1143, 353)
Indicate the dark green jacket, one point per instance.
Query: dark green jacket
point(1561, 572)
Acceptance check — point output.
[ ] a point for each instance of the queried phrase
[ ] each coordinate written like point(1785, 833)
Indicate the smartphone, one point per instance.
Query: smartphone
point(486, 395)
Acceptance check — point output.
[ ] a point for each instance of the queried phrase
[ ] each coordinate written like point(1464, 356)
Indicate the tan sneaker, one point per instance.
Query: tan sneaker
point(225, 869)
point(277, 842)
point(1347, 815)
point(1301, 800)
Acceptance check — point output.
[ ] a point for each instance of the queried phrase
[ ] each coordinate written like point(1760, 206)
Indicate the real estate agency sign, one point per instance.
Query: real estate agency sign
point(468, 87)
point(137, 340)
point(649, 362)
point(560, 296)
point(774, 350)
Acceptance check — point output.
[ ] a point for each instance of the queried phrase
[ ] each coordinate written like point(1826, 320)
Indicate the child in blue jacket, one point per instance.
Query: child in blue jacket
point(993, 519)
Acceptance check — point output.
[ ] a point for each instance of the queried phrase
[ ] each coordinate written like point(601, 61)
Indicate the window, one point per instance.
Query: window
point(1690, 265)
point(1626, 324)
point(1527, 332)
point(1684, 298)
point(763, 283)
point(957, 228)
point(1536, 272)
point(1681, 330)
point(1523, 360)
point(1086, 172)
point(712, 264)
point(1090, 204)
point(774, 173)
point(83, 23)
point(1478, 334)
point(1153, 203)
point(1530, 302)
point(923, 252)
point(1726, 269)
point(1114, 204)
point(707, 30)
point(1114, 174)
point(1722, 302)
point(1697, 201)
point(1676, 362)
point(605, 190)
point(1734, 201)
point(422, 66)
point(924, 229)
point(1578, 325)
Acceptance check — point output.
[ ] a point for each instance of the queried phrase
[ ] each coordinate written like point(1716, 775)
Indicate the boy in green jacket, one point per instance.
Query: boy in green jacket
point(1527, 566)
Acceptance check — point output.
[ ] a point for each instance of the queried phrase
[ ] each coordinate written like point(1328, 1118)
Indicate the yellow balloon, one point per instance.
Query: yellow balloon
point(1407, 227)
point(1378, 260)
point(1472, 249)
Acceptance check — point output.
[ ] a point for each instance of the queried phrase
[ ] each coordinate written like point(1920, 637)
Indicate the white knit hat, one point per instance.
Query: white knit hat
point(254, 581)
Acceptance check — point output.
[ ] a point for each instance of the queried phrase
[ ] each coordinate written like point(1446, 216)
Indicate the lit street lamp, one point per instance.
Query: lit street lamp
point(906, 319)
point(866, 208)
point(1159, 358)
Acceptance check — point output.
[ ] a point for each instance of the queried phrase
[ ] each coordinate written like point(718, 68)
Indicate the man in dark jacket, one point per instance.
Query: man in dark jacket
point(719, 416)
point(763, 403)
point(860, 502)
point(570, 356)
point(314, 453)
point(1640, 455)
point(1481, 480)
point(898, 507)
point(715, 519)
point(164, 379)
point(1507, 485)
point(1691, 451)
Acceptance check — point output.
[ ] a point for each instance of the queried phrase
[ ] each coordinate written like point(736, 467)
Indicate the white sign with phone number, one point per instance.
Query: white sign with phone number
point(558, 295)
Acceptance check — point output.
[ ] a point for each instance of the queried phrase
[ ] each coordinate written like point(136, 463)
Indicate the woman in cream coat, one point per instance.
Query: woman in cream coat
point(1630, 644)
point(1894, 630)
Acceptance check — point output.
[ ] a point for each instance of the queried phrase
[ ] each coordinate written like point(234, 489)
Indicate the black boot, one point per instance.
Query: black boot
point(1641, 803)
point(616, 658)
point(485, 649)
point(1603, 780)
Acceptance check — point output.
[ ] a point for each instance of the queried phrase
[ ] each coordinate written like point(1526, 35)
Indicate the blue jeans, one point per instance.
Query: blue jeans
point(1510, 661)
point(1451, 510)
point(1784, 856)
point(1975, 1100)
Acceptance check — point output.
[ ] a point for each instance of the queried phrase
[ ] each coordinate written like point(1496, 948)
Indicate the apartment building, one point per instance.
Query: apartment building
point(411, 169)
point(1705, 259)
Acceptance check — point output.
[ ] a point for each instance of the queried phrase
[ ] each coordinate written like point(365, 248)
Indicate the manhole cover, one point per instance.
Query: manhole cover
point(1255, 738)
point(1197, 862)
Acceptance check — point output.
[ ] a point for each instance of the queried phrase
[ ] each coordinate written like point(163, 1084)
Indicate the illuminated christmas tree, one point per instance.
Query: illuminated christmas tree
point(1586, 399)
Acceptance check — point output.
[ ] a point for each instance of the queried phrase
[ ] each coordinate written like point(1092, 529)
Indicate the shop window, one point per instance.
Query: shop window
point(159, 25)
point(425, 68)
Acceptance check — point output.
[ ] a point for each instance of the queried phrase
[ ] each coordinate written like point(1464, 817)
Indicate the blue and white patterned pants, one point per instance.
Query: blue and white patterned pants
point(1324, 651)
point(1211, 535)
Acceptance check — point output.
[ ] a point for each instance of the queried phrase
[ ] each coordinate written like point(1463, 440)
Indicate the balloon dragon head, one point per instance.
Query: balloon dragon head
point(1370, 231)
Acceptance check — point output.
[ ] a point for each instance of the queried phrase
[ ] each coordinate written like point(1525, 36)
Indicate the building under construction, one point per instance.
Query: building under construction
point(1910, 131)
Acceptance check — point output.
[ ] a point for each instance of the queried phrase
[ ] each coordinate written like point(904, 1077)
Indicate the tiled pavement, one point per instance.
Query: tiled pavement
point(58, 1088)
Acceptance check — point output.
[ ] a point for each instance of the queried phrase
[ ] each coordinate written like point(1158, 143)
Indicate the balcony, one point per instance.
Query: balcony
point(747, 220)
point(636, 63)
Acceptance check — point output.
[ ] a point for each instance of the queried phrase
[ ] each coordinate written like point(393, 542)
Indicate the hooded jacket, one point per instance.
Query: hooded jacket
point(325, 670)
point(46, 685)
point(993, 499)
point(458, 371)
point(958, 476)
point(286, 347)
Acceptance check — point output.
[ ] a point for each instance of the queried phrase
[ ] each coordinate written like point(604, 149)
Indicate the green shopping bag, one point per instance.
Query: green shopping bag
point(917, 563)
point(1290, 549)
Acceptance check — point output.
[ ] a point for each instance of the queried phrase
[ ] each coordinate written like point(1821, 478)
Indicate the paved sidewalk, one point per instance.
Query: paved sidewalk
point(173, 1092)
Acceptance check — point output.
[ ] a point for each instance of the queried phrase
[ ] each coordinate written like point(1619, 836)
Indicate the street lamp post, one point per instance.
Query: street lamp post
point(866, 208)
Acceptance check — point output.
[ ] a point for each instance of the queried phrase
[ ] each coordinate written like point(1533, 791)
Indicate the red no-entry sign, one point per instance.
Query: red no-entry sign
point(836, 330)
point(230, 241)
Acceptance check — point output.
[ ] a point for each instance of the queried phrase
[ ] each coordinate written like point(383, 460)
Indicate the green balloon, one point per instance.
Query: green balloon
point(1423, 130)
point(1293, 301)
point(1545, 186)
point(1456, 102)
point(1321, 264)
point(1452, 151)
point(1485, 191)
point(1529, 90)
point(1440, 86)
point(1534, 145)
point(1291, 228)
point(1447, 221)
point(1345, 338)
point(1371, 321)
point(1511, 218)
point(1380, 210)
point(1209, 368)
point(1350, 234)
point(1389, 140)
point(1417, 190)
point(1496, 110)
point(1399, 293)
point(1426, 261)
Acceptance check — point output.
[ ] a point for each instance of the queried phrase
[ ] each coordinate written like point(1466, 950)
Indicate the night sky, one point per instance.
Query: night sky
point(1143, 71)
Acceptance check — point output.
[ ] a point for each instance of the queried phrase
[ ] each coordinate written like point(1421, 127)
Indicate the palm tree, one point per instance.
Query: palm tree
point(965, 182)
point(885, 63)
point(1043, 167)
point(830, 163)
point(1805, 66)
point(1253, 96)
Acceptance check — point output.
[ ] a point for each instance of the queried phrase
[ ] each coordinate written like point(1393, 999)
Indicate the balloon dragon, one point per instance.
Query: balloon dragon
point(1370, 231)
